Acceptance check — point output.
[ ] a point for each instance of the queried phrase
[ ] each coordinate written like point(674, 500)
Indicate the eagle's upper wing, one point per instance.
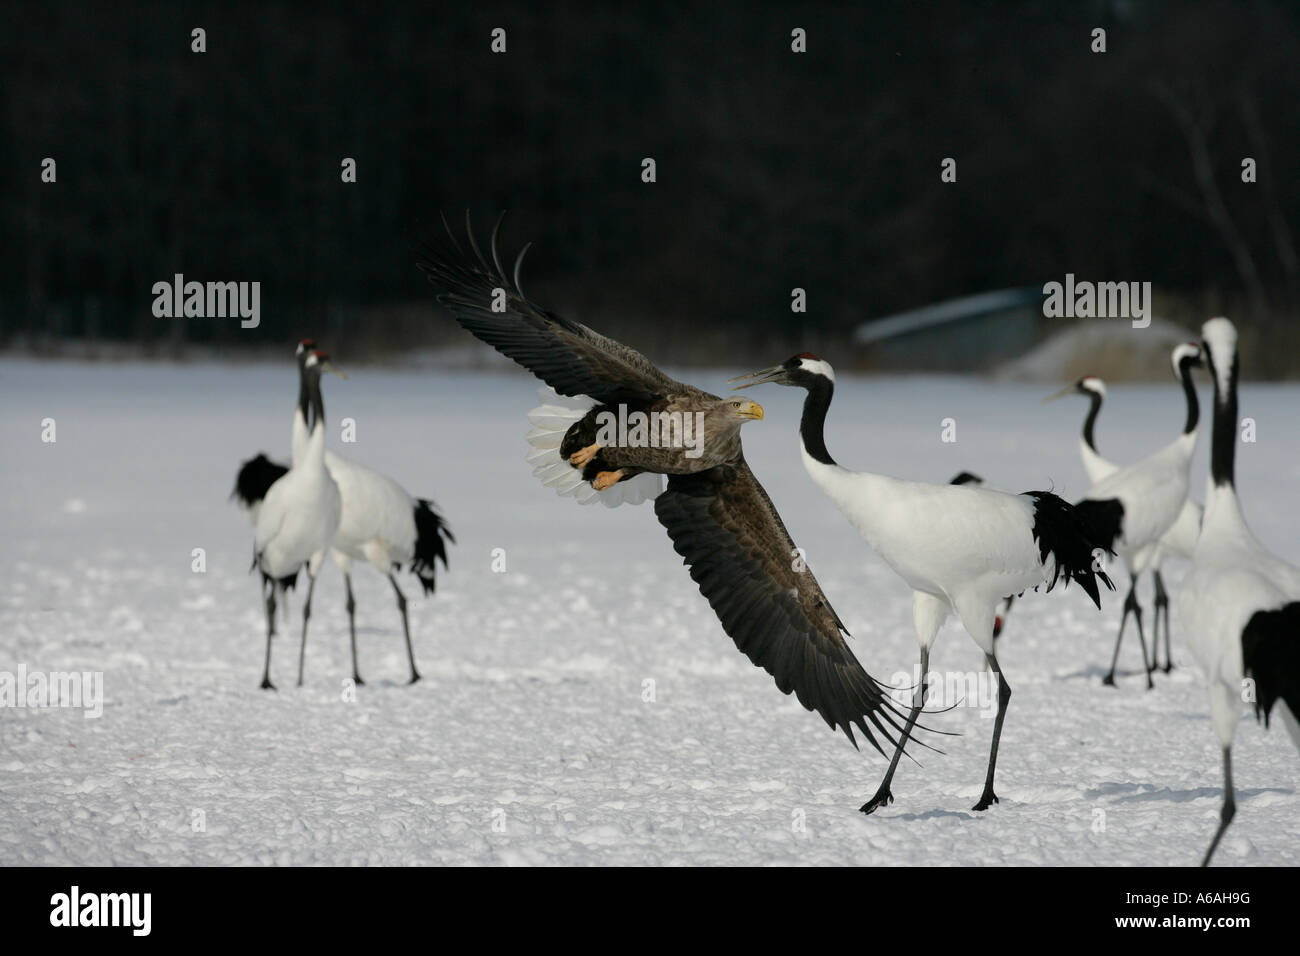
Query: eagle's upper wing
point(566, 355)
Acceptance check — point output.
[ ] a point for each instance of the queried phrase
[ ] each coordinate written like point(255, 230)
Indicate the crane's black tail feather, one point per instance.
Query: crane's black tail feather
point(1270, 647)
point(255, 478)
point(285, 583)
point(1064, 531)
point(431, 539)
point(1102, 520)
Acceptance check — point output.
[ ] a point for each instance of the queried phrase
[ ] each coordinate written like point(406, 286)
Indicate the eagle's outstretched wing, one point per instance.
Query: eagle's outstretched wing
point(566, 355)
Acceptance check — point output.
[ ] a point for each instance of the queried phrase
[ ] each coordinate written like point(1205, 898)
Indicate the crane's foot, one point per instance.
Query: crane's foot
point(583, 455)
point(1150, 683)
point(607, 479)
point(415, 676)
point(986, 801)
point(1169, 665)
point(1109, 679)
point(882, 798)
point(266, 684)
point(356, 679)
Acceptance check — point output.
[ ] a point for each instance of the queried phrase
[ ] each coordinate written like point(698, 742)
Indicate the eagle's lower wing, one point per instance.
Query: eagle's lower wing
point(740, 554)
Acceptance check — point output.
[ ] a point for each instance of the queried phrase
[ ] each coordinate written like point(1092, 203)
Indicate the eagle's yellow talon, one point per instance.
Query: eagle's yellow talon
point(583, 455)
point(606, 479)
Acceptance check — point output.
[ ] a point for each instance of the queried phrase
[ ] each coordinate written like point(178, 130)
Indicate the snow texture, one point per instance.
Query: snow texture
point(530, 739)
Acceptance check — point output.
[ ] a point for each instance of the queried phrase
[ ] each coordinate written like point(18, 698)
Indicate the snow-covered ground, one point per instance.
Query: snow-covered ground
point(529, 740)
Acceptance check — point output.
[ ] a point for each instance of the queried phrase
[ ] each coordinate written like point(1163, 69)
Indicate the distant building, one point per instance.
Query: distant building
point(972, 333)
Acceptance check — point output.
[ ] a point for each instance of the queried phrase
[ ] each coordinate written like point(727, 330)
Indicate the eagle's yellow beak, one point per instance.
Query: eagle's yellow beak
point(750, 410)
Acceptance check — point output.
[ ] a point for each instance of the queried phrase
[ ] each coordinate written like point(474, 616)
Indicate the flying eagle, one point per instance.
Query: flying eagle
point(718, 516)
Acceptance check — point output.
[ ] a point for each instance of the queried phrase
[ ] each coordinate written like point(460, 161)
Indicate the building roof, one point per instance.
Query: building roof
point(941, 313)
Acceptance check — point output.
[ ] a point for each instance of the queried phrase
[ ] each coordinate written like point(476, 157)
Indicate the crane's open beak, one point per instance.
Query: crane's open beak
point(751, 410)
point(776, 373)
point(328, 366)
point(1061, 394)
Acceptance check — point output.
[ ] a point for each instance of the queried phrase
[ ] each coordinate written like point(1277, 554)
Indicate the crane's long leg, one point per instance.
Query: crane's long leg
point(352, 628)
point(1131, 606)
point(1229, 806)
point(306, 616)
point(883, 794)
point(1004, 697)
point(1162, 611)
point(269, 588)
point(1154, 664)
point(406, 627)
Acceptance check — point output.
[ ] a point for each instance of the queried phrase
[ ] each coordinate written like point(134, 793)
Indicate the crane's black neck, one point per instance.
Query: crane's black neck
point(813, 424)
point(304, 396)
point(313, 401)
point(1223, 439)
point(1090, 422)
point(1189, 392)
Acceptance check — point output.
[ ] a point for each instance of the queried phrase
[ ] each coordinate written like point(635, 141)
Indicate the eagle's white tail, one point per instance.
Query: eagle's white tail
point(550, 421)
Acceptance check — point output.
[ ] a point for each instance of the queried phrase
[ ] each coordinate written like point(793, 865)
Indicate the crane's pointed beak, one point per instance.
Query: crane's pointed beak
point(328, 366)
point(1061, 394)
point(776, 374)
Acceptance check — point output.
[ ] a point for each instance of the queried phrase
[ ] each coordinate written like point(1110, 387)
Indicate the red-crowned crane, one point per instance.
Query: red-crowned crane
point(1178, 542)
point(1132, 508)
point(960, 548)
point(299, 516)
point(1239, 604)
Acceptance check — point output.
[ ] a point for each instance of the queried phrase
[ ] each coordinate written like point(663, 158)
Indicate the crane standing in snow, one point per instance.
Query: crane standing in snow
point(1240, 604)
point(297, 519)
point(1178, 542)
point(1132, 508)
point(960, 548)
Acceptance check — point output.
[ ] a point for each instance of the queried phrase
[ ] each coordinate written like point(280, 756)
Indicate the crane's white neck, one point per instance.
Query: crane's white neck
point(299, 441)
point(313, 451)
